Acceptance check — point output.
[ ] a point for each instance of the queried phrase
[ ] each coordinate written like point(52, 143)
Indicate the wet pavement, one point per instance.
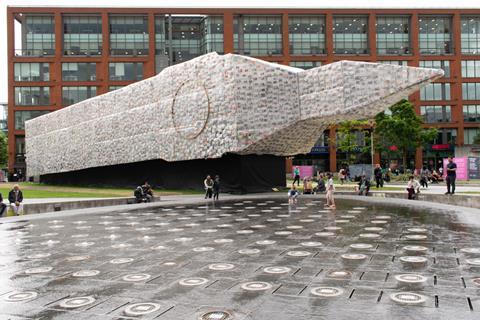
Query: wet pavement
point(242, 259)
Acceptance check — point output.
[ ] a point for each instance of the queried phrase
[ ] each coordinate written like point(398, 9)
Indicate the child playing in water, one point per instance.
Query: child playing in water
point(292, 195)
point(330, 189)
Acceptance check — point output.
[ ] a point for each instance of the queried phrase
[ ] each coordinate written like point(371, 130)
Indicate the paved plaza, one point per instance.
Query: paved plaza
point(248, 258)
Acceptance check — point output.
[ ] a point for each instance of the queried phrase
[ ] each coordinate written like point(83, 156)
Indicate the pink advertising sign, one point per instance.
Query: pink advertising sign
point(462, 167)
point(305, 171)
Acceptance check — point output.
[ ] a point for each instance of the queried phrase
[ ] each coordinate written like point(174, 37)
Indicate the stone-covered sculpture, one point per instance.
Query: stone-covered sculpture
point(213, 105)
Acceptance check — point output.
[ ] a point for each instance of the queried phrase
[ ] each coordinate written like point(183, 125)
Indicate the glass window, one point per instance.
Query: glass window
point(306, 35)
point(19, 149)
point(305, 64)
point(38, 35)
point(32, 96)
point(394, 62)
point(435, 91)
point(32, 71)
point(257, 35)
point(435, 35)
point(212, 35)
point(71, 95)
point(471, 113)
point(350, 35)
point(82, 35)
point(393, 35)
point(22, 116)
point(113, 88)
point(471, 69)
point(79, 71)
point(436, 114)
point(471, 91)
point(186, 38)
point(120, 71)
point(445, 136)
point(161, 52)
point(470, 35)
point(437, 64)
point(469, 135)
point(128, 35)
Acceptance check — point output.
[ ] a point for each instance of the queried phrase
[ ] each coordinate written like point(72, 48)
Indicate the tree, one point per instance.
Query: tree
point(3, 150)
point(348, 141)
point(476, 139)
point(402, 129)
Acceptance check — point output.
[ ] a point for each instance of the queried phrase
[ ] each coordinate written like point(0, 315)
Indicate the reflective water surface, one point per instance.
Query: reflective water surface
point(250, 259)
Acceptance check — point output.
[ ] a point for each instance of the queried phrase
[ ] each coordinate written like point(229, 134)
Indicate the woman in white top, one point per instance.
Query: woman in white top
point(330, 190)
point(413, 188)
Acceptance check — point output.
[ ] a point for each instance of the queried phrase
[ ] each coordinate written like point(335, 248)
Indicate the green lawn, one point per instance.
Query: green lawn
point(36, 190)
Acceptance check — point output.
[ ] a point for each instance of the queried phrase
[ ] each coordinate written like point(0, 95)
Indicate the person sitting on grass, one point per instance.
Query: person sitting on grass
point(413, 188)
point(15, 197)
point(292, 195)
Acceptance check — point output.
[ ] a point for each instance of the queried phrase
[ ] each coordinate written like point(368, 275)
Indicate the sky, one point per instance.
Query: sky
point(423, 4)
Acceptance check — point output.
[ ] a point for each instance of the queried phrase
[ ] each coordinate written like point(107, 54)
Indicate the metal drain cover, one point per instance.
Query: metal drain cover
point(21, 296)
point(86, 273)
point(203, 249)
point(78, 258)
point(411, 278)
point(265, 242)
point(298, 253)
point(473, 262)
point(136, 277)
point(283, 233)
point(325, 234)
point(223, 240)
point(215, 315)
point(38, 270)
point(416, 237)
point(192, 281)
point(77, 302)
point(256, 286)
point(408, 298)
point(413, 259)
point(38, 256)
point(421, 249)
point(249, 251)
point(326, 291)
point(417, 230)
point(276, 270)
point(470, 250)
point(311, 244)
point(361, 246)
point(121, 260)
point(221, 266)
point(139, 309)
point(373, 229)
point(342, 274)
point(476, 281)
point(333, 228)
point(353, 256)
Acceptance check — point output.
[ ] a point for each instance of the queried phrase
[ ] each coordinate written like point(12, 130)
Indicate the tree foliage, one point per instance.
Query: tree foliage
point(3, 150)
point(347, 139)
point(403, 129)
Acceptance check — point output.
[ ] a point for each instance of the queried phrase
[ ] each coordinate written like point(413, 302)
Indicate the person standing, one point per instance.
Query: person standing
point(3, 206)
point(424, 175)
point(296, 176)
point(451, 176)
point(342, 175)
point(216, 187)
point(330, 190)
point(208, 183)
point(15, 197)
point(377, 172)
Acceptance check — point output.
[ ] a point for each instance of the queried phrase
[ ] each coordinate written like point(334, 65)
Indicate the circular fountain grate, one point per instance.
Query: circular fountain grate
point(326, 291)
point(249, 251)
point(86, 273)
point(276, 270)
point(121, 260)
point(311, 244)
point(38, 256)
point(215, 315)
point(369, 235)
point(298, 253)
point(408, 298)
point(21, 296)
point(266, 242)
point(411, 278)
point(192, 281)
point(416, 237)
point(420, 249)
point(203, 249)
point(140, 309)
point(470, 250)
point(473, 262)
point(256, 286)
point(136, 277)
point(38, 270)
point(77, 302)
point(353, 256)
point(221, 266)
point(342, 274)
point(413, 259)
point(361, 246)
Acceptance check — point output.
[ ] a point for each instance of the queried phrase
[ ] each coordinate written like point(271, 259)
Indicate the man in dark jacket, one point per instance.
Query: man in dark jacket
point(15, 197)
